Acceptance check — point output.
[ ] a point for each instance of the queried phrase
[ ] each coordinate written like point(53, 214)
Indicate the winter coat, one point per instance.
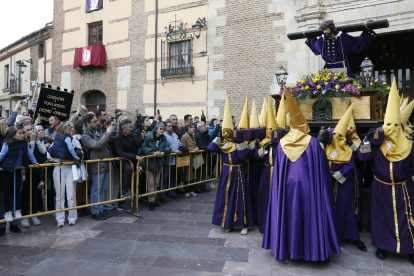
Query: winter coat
point(98, 148)
point(149, 147)
point(189, 172)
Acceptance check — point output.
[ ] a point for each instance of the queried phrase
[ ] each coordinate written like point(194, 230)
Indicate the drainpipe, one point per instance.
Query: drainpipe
point(156, 57)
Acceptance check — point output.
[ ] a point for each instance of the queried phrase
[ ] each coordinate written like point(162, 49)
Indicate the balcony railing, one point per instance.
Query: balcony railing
point(182, 71)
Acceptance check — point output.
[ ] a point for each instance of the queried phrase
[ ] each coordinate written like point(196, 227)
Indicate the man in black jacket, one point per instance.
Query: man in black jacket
point(203, 139)
point(123, 145)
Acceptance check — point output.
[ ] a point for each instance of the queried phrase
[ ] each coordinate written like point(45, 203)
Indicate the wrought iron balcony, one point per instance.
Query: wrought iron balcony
point(177, 72)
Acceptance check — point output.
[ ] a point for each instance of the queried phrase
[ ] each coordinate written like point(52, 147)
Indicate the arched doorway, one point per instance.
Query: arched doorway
point(95, 99)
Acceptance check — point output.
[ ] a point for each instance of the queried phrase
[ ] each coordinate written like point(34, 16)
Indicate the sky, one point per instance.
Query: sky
point(19, 18)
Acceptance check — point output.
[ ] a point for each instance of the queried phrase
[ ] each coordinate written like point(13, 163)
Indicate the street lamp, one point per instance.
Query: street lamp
point(281, 77)
point(23, 66)
point(367, 68)
point(200, 24)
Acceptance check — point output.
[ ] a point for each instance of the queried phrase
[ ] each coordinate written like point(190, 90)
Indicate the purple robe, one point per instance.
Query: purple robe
point(359, 176)
point(384, 218)
point(264, 184)
point(300, 219)
point(335, 51)
point(254, 171)
point(232, 207)
point(344, 201)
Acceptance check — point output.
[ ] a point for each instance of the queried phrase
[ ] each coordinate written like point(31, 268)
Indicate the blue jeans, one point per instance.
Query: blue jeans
point(168, 176)
point(103, 185)
point(201, 175)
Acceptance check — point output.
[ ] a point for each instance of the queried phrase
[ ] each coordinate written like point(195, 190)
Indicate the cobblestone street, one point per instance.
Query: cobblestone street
point(176, 239)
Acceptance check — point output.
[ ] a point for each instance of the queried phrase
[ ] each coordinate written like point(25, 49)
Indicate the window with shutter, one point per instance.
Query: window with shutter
point(95, 33)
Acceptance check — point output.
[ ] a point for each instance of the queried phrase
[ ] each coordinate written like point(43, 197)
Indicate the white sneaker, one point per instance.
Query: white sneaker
point(9, 218)
point(244, 231)
point(213, 185)
point(60, 224)
point(72, 223)
point(36, 221)
point(24, 223)
point(18, 214)
point(193, 194)
point(187, 195)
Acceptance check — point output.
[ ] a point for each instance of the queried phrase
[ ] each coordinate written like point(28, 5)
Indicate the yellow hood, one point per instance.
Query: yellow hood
point(297, 140)
point(395, 146)
point(337, 151)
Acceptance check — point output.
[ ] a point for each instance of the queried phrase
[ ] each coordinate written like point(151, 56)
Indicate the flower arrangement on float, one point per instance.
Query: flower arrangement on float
point(329, 84)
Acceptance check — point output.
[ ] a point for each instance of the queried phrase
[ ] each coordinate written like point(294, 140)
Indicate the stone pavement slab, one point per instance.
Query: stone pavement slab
point(175, 239)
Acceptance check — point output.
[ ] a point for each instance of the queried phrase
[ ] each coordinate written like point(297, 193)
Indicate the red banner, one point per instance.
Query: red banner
point(92, 55)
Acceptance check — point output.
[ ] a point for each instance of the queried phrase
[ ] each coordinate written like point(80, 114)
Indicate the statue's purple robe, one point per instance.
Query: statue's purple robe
point(344, 201)
point(300, 220)
point(335, 51)
point(385, 220)
point(232, 196)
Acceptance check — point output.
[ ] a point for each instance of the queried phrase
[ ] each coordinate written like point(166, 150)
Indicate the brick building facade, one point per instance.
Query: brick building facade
point(238, 52)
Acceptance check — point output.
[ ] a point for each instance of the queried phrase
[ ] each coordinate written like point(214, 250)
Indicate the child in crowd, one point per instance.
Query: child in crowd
point(15, 153)
point(62, 150)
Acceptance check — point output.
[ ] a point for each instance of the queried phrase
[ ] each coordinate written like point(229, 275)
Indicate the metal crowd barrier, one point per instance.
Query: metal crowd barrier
point(207, 172)
point(46, 166)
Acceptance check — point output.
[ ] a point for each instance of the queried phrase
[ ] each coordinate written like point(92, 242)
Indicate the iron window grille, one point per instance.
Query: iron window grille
point(177, 58)
point(16, 86)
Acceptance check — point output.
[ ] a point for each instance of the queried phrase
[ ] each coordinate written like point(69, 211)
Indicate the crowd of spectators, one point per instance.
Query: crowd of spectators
point(97, 136)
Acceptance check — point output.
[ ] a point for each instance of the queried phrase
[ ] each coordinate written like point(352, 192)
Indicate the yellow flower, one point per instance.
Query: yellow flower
point(388, 88)
point(318, 87)
point(337, 86)
point(370, 84)
point(376, 80)
point(315, 81)
point(292, 86)
point(335, 78)
point(355, 82)
point(302, 88)
point(347, 79)
point(302, 82)
point(384, 83)
point(317, 76)
point(306, 87)
point(326, 83)
point(359, 87)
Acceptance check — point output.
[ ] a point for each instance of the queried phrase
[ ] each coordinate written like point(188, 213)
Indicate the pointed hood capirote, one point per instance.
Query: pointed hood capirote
point(254, 120)
point(337, 151)
point(227, 145)
point(404, 104)
point(395, 146)
point(406, 112)
point(244, 120)
point(288, 123)
point(263, 114)
point(281, 113)
point(405, 115)
point(351, 132)
point(271, 123)
point(297, 140)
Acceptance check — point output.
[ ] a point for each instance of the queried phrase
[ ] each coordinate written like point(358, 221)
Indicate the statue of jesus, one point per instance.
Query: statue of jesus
point(334, 46)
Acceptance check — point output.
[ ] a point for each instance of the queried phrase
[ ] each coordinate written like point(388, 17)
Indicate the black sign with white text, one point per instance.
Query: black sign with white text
point(53, 103)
